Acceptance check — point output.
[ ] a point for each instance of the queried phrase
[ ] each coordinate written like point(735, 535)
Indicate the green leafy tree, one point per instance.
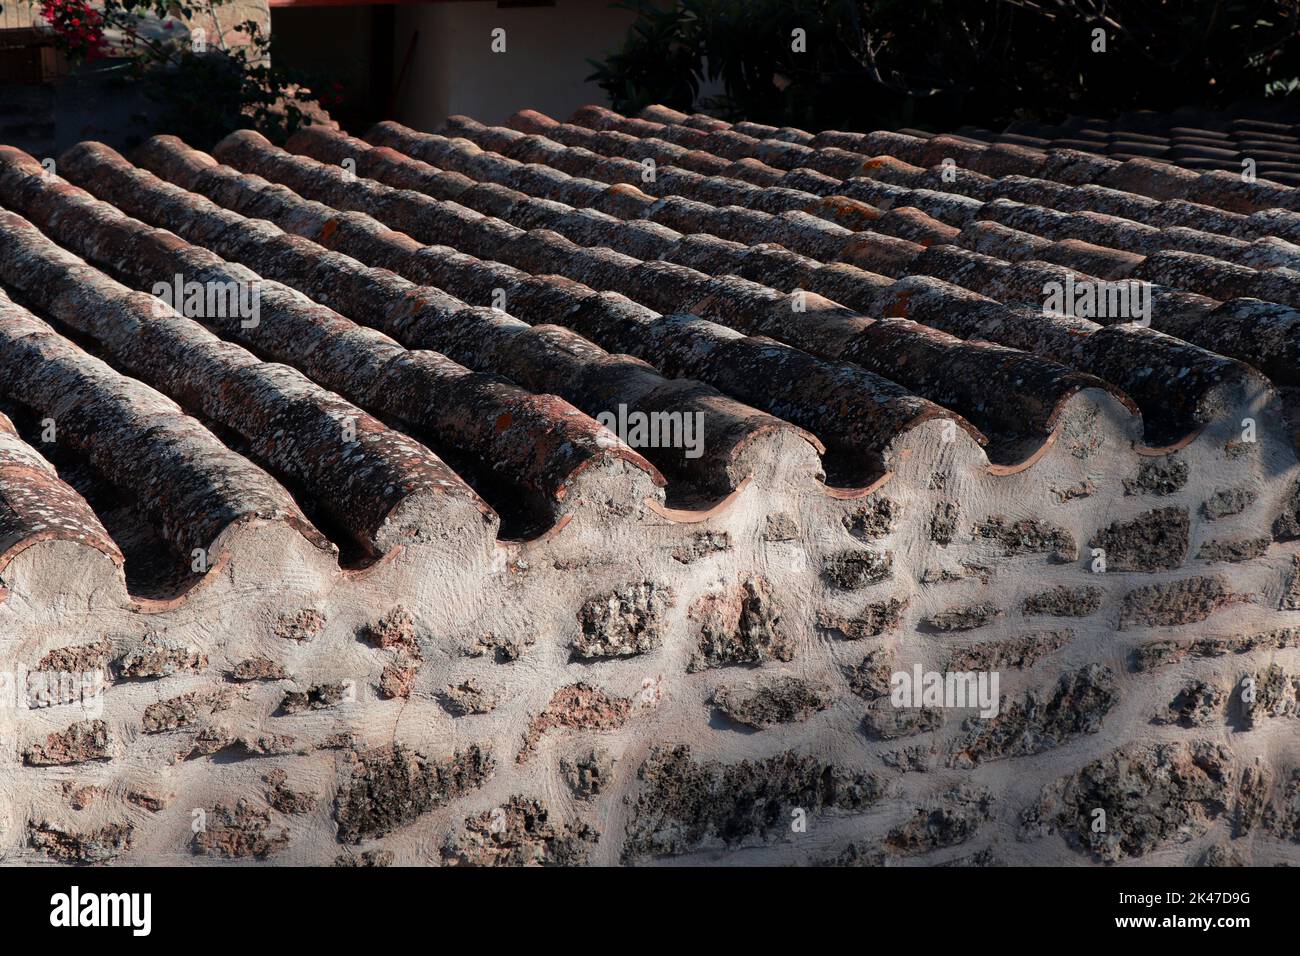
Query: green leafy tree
point(946, 63)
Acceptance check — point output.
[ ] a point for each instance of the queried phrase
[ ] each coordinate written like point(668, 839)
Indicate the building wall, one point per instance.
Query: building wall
point(454, 70)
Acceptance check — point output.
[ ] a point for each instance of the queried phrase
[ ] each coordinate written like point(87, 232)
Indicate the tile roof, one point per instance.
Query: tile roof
point(396, 474)
point(1191, 138)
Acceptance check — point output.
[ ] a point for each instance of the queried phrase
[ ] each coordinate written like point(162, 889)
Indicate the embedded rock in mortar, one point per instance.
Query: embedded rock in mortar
point(624, 622)
point(874, 519)
point(461, 700)
point(1175, 602)
point(854, 570)
point(1063, 601)
point(589, 774)
point(156, 657)
point(740, 626)
point(948, 821)
point(875, 619)
point(1150, 794)
point(1018, 652)
point(520, 833)
point(300, 626)
point(82, 741)
point(1155, 654)
point(783, 700)
point(1154, 541)
point(685, 805)
point(85, 847)
point(1158, 476)
point(1079, 702)
point(316, 697)
point(1242, 549)
point(389, 787)
point(1197, 704)
point(966, 618)
point(1028, 536)
point(240, 833)
point(1227, 502)
point(883, 721)
point(576, 707)
point(869, 678)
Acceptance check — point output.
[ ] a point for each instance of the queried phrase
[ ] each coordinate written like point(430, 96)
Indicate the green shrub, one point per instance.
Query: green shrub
point(948, 63)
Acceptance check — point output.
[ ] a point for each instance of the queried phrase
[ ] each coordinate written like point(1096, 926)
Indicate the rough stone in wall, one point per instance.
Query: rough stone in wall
point(1080, 489)
point(1063, 601)
point(943, 521)
point(267, 745)
point(740, 626)
point(1275, 695)
point(150, 800)
point(701, 545)
point(588, 774)
point(467, 697)
point(859, 854)
point(1027, 536)
point(1154, 541)
point(1158, 476)
point(914, 758)
point(874, 519)
point(398, 678)
point(158, 657)
point(300, 626)
point(210, 740)
point(242, 833)
point(1152, 794)
point(1291, 590)
point(1018, 652)
point(685, 804)
point(576, 707)
point(99, 845)
point(1253, 796)
point(965, 618)
point(79, 659)
point(948, 821)
point(1286, 527)
point(869, 678)
point(1171, 603)
point(501, 649)
point(389, 787)
point(883, 721)
point(185, 709)
point(782, 700)
point(1155, 654)
point(81, 798)
point(366, 858)
point(1241, 549)
point(1217, 855)
point(1227, 502)
point(853, 570)
point(520, 833)
point(284, 798)
point(1197, 704)
point(394, 631)
point(780, 527)
point(1077, 705)
point(1282, 818)
point(627, 621)
point(82, 741)
point(256, 669)
point(316, 697)
point(875, 619)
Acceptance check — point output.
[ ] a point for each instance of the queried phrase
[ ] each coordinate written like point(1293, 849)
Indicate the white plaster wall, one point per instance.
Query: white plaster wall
point(544, 67)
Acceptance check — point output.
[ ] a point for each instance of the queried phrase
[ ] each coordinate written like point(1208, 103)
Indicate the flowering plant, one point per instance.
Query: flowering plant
point(205, 86)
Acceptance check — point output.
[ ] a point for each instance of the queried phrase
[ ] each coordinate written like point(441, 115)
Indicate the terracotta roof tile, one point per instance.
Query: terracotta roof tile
point(899, 426)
